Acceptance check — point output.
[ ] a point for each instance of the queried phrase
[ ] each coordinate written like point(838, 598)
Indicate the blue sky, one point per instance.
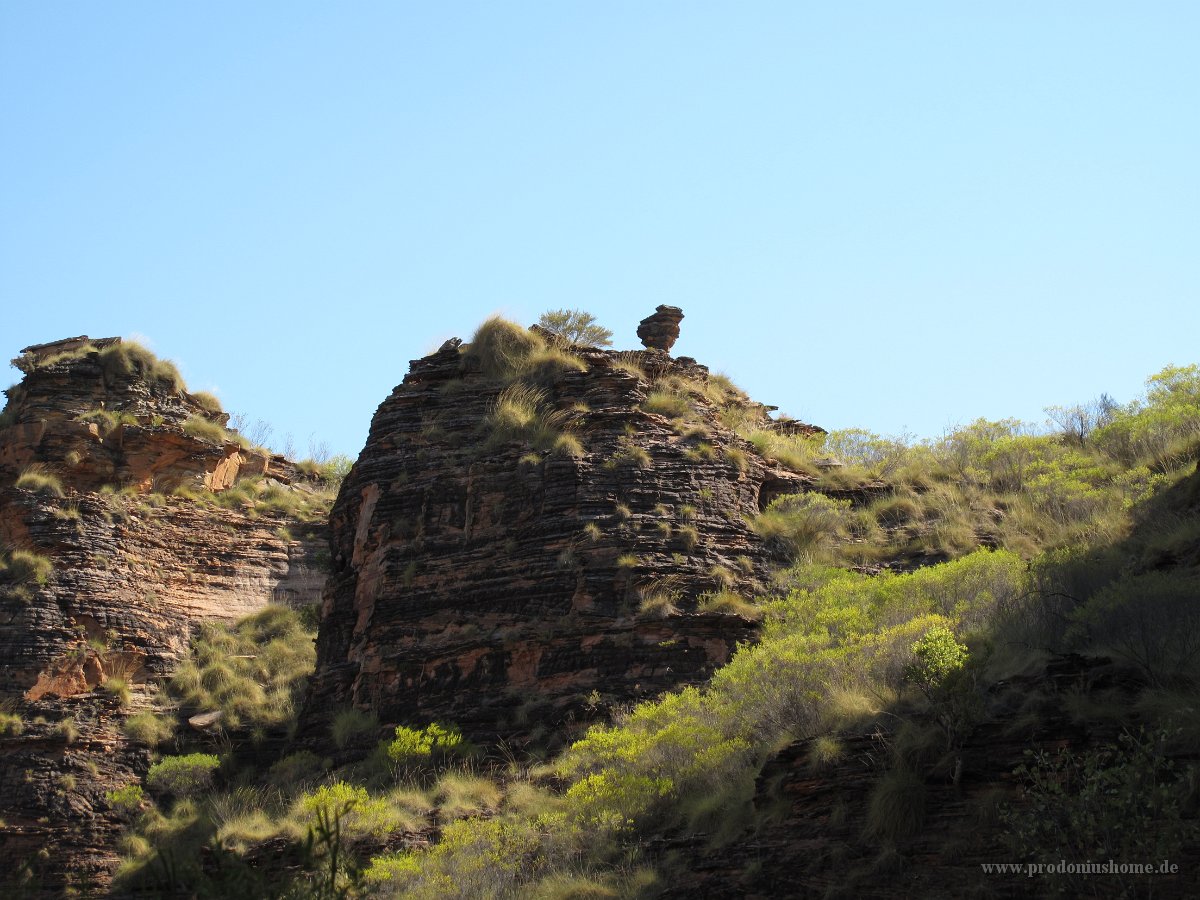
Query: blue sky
point(891, 216)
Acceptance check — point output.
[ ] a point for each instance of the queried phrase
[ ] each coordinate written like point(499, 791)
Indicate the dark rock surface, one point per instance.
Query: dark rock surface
point(499, 587)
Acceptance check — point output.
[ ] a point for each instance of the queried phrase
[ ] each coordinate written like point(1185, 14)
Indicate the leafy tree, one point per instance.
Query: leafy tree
point(576, 327)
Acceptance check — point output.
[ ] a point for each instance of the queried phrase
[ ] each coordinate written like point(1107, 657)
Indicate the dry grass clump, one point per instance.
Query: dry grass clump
point(35, 478)
point(251, 671)
point(666, 403)
point(24, 571)
point(730, 603)
point(131, 358)
point(501, 348)
point(523, 413)
point(206, 430)
point(207, 402)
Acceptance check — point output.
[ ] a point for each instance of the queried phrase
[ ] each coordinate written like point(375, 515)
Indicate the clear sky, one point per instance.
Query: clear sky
point(898, 216)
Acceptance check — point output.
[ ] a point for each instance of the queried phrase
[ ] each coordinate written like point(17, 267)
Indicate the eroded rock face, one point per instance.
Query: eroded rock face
point(660, 329)
point(95, 423)
point(511, 590)
point(130, 570)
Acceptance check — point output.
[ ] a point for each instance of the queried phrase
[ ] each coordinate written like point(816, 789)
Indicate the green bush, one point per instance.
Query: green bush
point(1124, 801)
point(182, 776)
point(125, 799)
point(418, 744)
point(576, 327)
point(936, 656)
point(1151, 620)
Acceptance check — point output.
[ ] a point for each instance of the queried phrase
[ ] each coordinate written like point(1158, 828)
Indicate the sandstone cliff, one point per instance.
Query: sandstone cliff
point(522, 544)
point(114, 544)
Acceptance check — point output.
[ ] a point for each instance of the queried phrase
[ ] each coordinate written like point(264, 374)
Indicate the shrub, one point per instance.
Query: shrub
point(182, 776)
point(1121, 801)
point(418, 744)
point(11, 724)
point(357, 813)
point(501, 348)
point(1152, 620)
point(125, 799)
point(937, 656)
point(576, 327)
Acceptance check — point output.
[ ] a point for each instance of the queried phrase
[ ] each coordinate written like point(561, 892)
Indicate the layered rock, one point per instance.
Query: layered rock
point(660, 329)
point(114, 548)
point(510, 589)
point(101, 413)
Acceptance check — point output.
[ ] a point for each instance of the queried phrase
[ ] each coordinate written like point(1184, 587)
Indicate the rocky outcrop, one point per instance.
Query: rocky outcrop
point(60, 830)
point(99, 456)
point(490, 579)
point(660, 329)
point(103, 413)
point(114, 546)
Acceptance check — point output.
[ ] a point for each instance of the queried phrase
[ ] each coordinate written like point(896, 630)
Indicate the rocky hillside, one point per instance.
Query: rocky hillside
point(536, 531)
point(128, 514)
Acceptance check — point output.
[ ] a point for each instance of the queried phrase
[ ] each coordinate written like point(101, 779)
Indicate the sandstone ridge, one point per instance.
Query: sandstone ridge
point(499, 565)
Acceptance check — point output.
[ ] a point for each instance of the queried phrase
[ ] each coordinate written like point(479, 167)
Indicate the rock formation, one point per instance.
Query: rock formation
point(660, 330)
point(112, 549)
point(502, 580)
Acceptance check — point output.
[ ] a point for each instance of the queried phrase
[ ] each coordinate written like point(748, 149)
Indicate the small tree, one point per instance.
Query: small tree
point(576, 327)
